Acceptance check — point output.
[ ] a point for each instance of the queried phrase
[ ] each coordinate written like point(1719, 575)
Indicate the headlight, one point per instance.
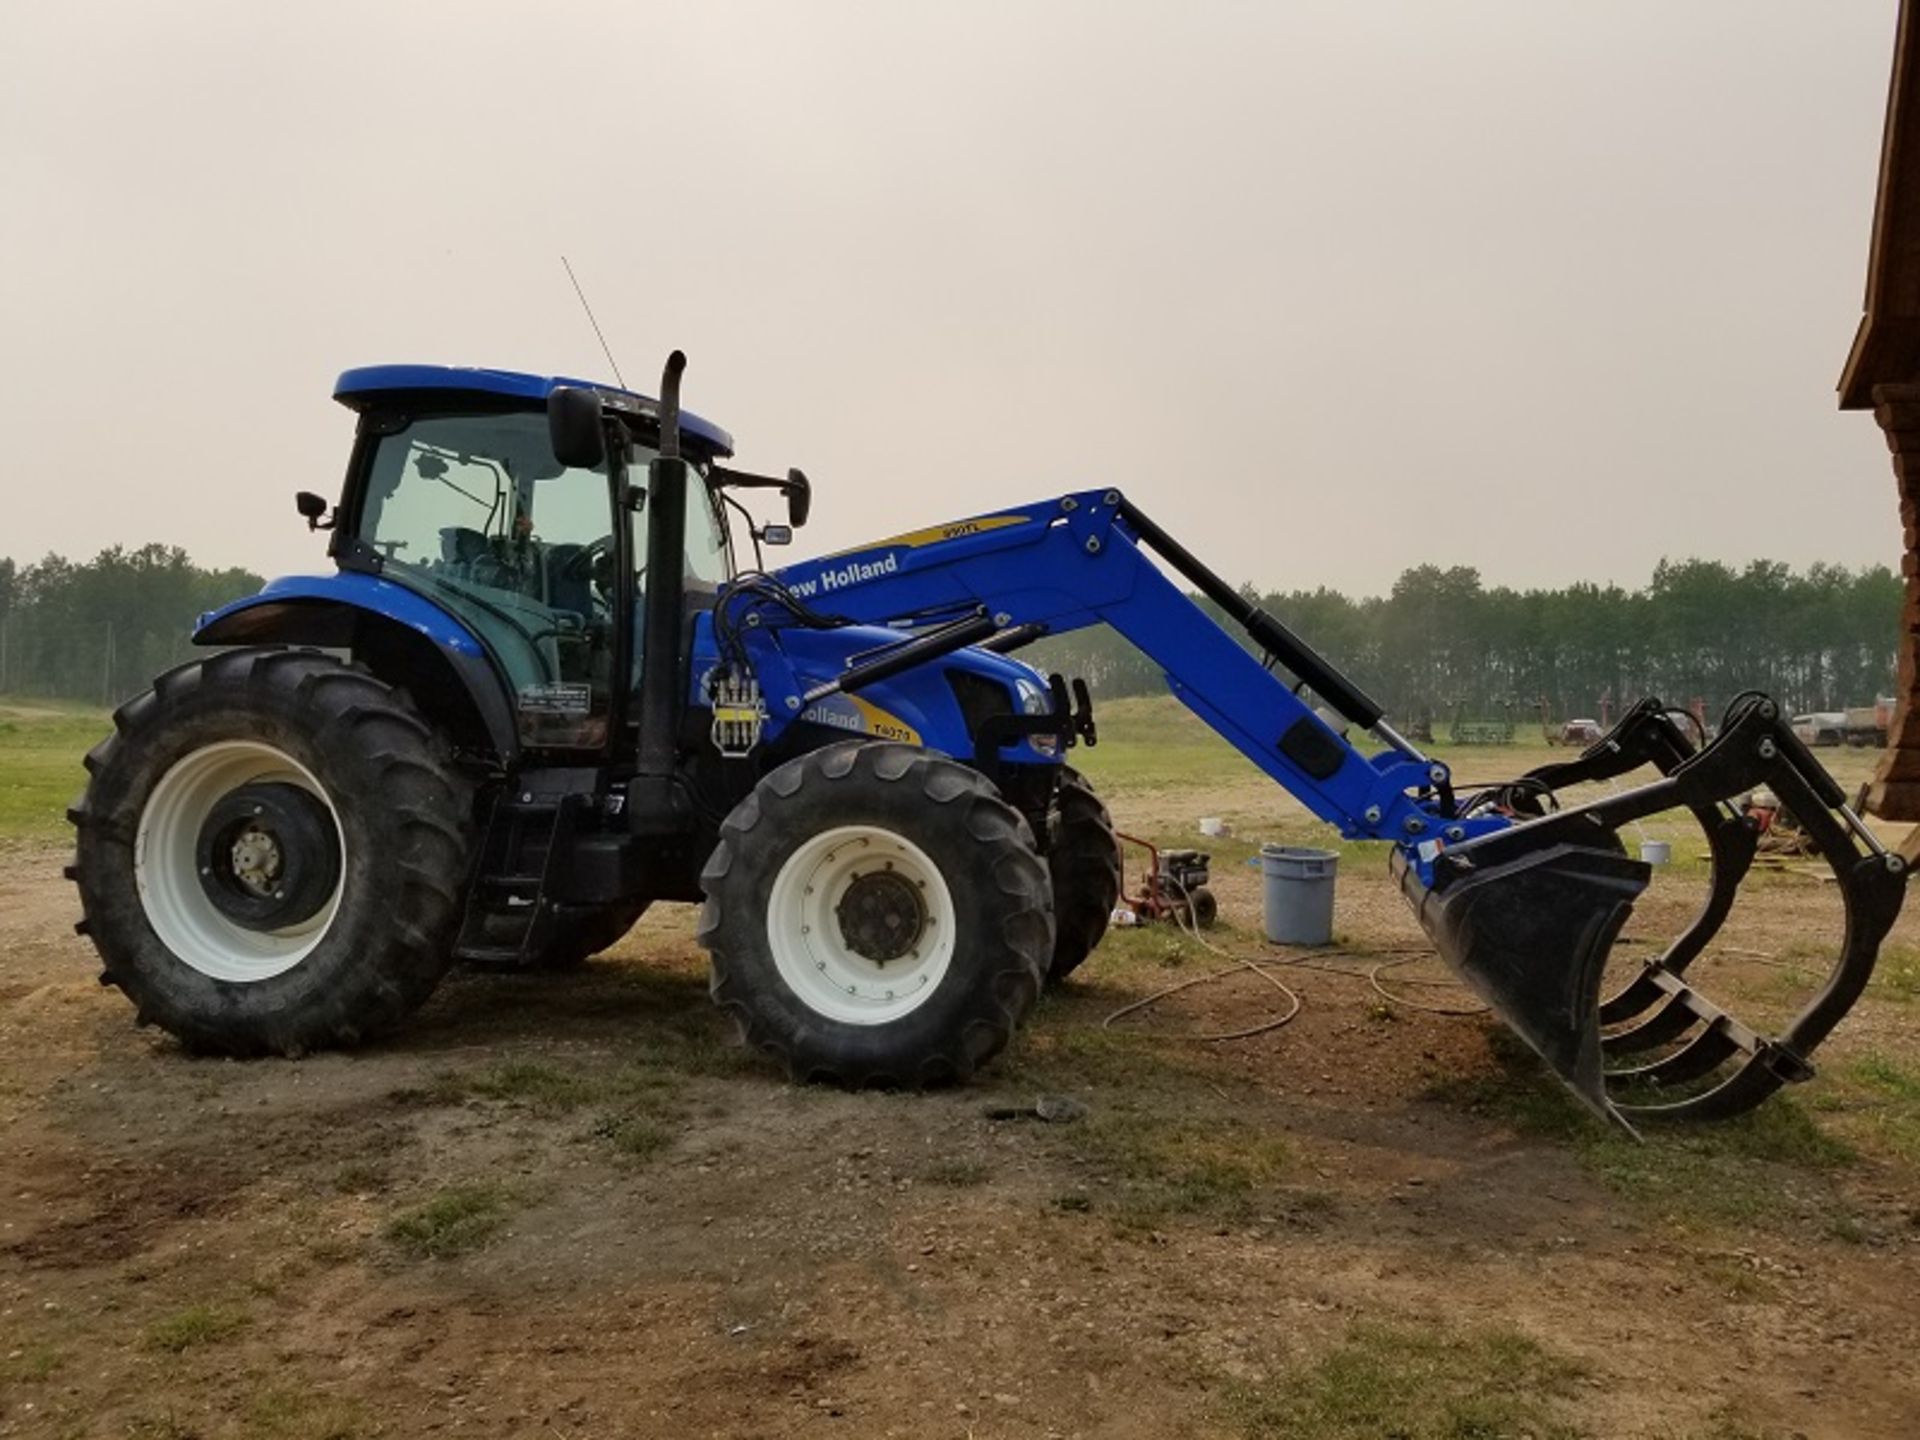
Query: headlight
point(1037, 700)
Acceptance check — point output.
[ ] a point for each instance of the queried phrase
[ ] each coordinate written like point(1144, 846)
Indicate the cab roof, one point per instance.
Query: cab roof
point(360, 388)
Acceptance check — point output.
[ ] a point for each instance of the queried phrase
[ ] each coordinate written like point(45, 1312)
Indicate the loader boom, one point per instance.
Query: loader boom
point(1523, 896)
point(1082, 560)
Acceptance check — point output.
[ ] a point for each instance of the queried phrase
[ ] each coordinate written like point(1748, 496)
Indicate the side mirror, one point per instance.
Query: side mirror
point(575, 427)
point(799, 498)
point(312, 508)
point(776, 535)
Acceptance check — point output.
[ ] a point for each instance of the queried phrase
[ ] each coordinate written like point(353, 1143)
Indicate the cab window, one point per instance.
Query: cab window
point(474, 511)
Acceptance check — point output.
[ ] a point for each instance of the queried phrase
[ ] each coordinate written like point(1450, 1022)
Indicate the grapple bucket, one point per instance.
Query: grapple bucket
point(1531, 937)
point(1527, 916)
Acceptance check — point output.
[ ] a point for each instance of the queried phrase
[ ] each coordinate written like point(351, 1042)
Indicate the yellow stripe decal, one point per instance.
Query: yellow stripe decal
point(883, 725)
point(933, 535)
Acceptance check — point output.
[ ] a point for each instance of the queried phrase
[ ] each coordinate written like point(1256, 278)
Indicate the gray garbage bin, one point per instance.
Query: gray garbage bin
point(1299, 894)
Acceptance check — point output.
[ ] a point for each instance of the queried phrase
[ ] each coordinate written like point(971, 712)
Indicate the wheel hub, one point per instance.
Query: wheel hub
point(268, 855)
point(255, 860)
point(882, 916)
point(861, 924)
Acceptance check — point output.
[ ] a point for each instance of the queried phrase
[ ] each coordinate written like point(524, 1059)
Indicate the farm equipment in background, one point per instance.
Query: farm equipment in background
point(1580, 731)
point(1174, 886)
point(1869, 725)
point(1780, 834)
point(1462, 731)
point(1571, 732)
point(565, 703)
point(1860, 726)
point(1821, 729)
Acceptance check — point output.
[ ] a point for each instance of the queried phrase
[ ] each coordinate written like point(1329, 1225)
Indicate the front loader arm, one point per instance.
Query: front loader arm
point(1523, 896)
point(1082, 560)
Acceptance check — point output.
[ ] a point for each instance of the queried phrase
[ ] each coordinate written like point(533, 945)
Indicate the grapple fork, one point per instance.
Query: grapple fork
point(1526, 916)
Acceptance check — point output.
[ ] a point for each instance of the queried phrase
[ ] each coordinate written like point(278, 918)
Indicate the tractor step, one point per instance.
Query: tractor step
point(508, 910)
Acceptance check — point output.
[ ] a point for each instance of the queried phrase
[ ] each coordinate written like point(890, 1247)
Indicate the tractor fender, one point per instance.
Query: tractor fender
point(401, 636)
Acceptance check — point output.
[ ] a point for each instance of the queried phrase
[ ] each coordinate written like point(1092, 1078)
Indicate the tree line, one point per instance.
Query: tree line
point(1439, 645)
point(99, 630)
point(1442, 645)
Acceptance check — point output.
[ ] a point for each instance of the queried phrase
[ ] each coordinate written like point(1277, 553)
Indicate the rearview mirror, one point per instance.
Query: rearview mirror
point(313, 509)
point(776, 534)
point(574, 426)
point(799, 498)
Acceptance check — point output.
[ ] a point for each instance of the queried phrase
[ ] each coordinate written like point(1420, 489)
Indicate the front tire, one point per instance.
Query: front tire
point(876, 915)
point(1084, 858)
point(271, 851)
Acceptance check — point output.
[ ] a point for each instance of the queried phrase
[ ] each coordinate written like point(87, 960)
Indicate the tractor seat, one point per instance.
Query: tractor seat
point(569, 586)
point(461, 546)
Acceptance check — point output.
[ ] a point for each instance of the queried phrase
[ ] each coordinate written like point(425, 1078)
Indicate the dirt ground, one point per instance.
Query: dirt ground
point(567, 1206)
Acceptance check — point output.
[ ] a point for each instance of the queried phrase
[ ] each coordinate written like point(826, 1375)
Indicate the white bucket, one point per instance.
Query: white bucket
point(1656, 852)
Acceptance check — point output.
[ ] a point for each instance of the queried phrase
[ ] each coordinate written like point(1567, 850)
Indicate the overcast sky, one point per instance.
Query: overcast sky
point(1552, 289)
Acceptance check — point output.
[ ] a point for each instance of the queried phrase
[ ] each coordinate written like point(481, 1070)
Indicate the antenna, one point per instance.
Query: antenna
point(605, 349)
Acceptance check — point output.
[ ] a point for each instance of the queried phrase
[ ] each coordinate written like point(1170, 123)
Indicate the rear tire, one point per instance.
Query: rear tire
point(376, 785)
point(1084, 857)
point(876, 915)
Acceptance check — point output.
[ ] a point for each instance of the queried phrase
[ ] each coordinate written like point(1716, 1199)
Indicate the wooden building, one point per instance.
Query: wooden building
point(1883, 374)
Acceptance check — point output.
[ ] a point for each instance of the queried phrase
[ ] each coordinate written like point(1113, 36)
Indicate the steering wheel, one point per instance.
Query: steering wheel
point(593, 563)
point(587, 560)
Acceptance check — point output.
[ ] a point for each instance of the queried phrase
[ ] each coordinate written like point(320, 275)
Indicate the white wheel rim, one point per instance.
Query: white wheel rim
point(166, 868)
point(812, 955)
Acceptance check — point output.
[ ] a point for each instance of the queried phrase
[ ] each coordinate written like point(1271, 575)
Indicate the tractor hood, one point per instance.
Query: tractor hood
point(939, 705)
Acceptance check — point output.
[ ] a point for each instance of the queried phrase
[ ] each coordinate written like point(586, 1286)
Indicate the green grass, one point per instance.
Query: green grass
point(1075, 1058)
point(195, 1326)
point(637, 1109)
point(360, 1177)
point(40, 751)
point(30, 1363)
point(633, 1134)
point(458, 1219)
point(1412, 1383)
point(160, 1425)
point(1735, 1172)
point(957, 1174)
point(537, 1086)
point(1875, 1100)
point(1156, 1167)
point(290, 1413)
point(1896, 976)
point(1155, 743)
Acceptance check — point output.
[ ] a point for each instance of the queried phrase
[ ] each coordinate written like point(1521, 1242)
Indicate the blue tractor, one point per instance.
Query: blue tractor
point(539, 694)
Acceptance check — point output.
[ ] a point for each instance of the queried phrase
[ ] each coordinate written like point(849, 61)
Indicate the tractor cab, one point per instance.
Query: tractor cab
point(455, 492)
